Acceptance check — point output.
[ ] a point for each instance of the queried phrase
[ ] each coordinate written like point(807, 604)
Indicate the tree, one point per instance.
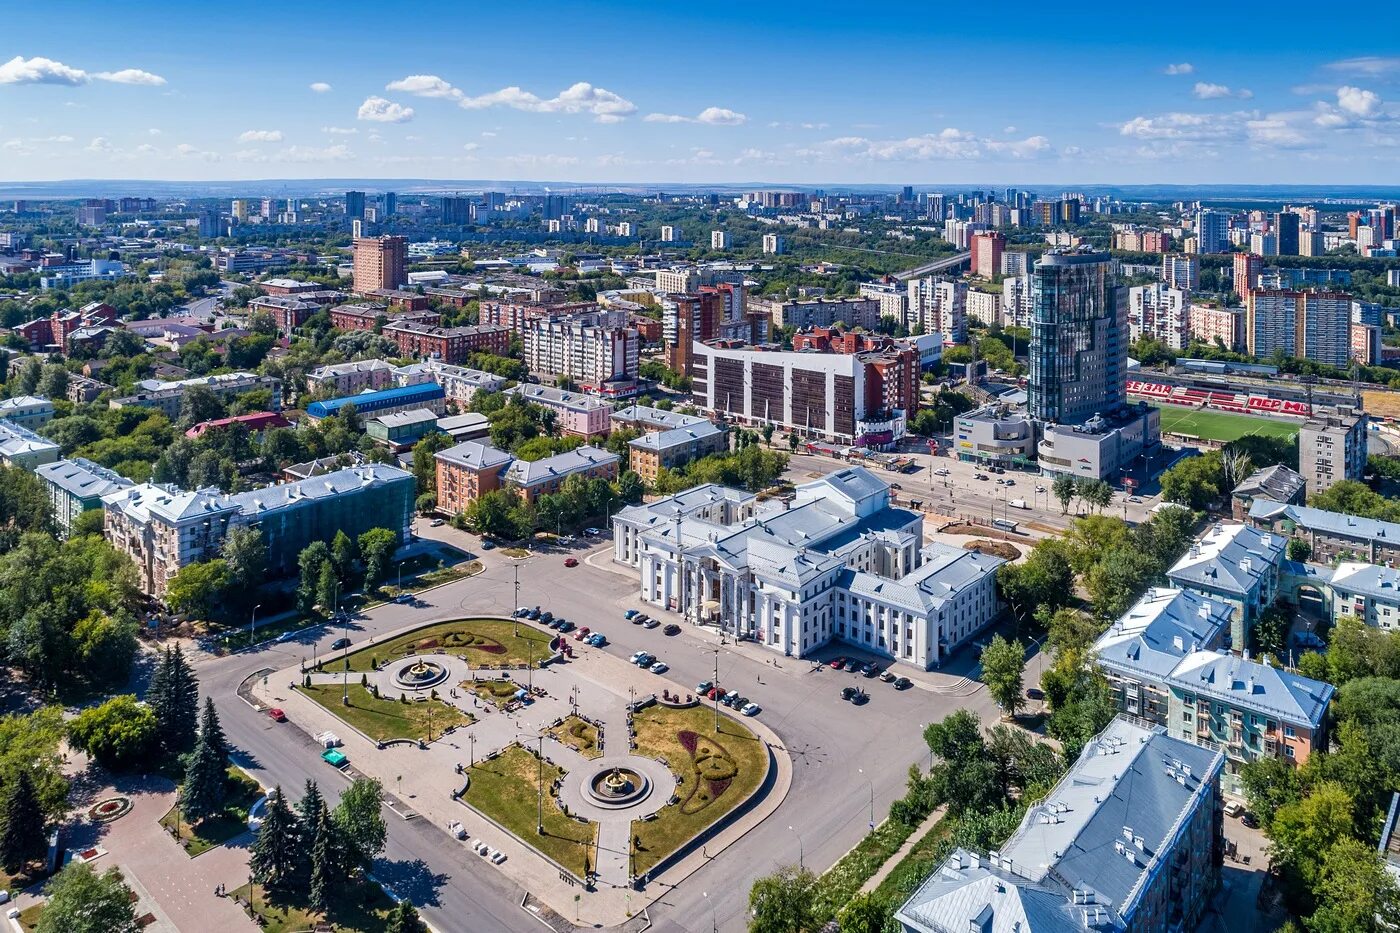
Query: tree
point(119, 734)
point(1303, 831)
point(1045, 580)
point(205, 787)
point(324, 869)
point(360, 821)
point(1002, 665)
point(1118, 579)
point(404, 919)
point(1355, 498)
point(273, 861)
point(1354, 891)
point(865, 913)
point(29, 743)
point(782, 902)
point(377, 548)
point(343, 555)
point(327, 587)
point(82, 901)
point(197, 590)
point(173, 697)
point(54, 382)
point(245, 559)
point(310, 562)
point(198, 404)
point(1195, 482)
point(1064, 490)
point(22, 835)
point(1299, 550)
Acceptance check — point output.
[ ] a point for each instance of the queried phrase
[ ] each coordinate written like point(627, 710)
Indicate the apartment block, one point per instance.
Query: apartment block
point(671, 439)
point(1332, 448)
point(466, 472)
point(818, 312)
point(1238, 564)
point(448, 344)
point(76, 486)
point(531, 479)
point(1217, 325)
point(380, 263)
point(167, 396)
point(1159, 312)
point(28, 411)
point(576, 413)
point(593, 349)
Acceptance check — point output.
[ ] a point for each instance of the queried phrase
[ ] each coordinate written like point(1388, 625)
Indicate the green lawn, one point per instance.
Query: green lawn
point(580, 735)
point(1223, 426)
point(383, 718)
point(364, 909)
point(497, 691)
point(506, 788)
point(242, 793)
point(479, 641)
point(719, 771)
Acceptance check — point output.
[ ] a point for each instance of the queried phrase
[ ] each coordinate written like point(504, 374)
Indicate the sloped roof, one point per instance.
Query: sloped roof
point(1160, 629)
point(527, 473)
point(1275, 482)
point(1331, 523)
point(1230, 557)
point(945, 572)
point(1255, 686)
point(474, 455)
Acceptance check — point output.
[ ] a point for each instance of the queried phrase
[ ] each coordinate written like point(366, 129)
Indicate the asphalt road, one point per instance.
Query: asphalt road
point(848, 762)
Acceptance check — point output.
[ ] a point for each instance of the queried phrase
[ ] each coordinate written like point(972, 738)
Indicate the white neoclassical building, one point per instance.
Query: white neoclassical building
point(836, 562)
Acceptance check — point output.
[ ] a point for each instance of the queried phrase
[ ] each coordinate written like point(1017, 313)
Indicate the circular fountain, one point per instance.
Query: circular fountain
point(420, 674)
point(616, 787)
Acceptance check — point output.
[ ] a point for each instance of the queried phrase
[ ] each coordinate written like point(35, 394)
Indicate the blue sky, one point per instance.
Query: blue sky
point(811, 92)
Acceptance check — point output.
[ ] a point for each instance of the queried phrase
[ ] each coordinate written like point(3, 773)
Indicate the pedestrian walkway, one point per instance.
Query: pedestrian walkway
point(875, 880)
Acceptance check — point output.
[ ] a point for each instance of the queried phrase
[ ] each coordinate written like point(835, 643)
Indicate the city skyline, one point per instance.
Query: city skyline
point(721, 95)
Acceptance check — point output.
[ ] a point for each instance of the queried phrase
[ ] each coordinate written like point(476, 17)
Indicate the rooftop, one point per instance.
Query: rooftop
point(81, 478)
point(413, 416)
point(656, 418)
point(1161, 629)
point(1320, 520)
point(424, 390)
point(676, 437)
point(1275, 482)
point(527, 473)
point(554, 396)
point(474, 455)
point(1231, 557)
point(1254, 685)
point(16, 440)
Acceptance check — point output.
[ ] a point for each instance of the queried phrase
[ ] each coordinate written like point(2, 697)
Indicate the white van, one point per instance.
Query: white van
point(1018, 504)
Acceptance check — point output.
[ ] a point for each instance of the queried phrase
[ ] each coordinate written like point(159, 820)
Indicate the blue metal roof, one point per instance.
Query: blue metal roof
point(384, 398)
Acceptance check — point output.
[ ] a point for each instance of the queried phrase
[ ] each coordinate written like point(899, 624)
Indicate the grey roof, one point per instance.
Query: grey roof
point(20, 402)
point(474, 455)
point(1160, 629)
point(1329, 523)
point(676, 437)
point(657, 418)
point(682, 503)
point(1254, 686)
point(561, 398)
point(527, 473)
point(261, 501)
point(1369, 580)
point(945, 572)
point(855, 483)
point(1230, 557)
point(82, 478)
point(465, 422)
point(411, 417)
point(1276, 482)
point(17, 440)
point(1081, 855)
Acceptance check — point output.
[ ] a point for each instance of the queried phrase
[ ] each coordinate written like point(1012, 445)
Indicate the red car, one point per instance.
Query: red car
point(571, 562)
point(581, 634)
point(838, 662)
point(277, 714)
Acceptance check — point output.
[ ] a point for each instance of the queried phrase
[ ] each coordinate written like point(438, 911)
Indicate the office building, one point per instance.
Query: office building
point(1104, 447)
point(1079, 345)
point(1212, 232)
point(1127, 842)
point(380, 263)
point(455, 211)
point(987, 249)
point(1181, 271)
point(354, 205)
point(1159, 312)
point(1247, 268)
point(389, 199)
point(1332, 448)
point(838, 563)
point(1286, 229)
point(995, 436)
point(163, 528)
point(76, 486)
point(1238, 564)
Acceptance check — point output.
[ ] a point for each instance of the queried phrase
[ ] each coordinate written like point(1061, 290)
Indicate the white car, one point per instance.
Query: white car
point(941, 471)
point(637, 656)
point(660, 667)
point(750, 709)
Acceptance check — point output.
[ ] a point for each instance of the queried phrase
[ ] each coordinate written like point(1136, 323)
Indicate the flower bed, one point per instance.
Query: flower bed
point(113, 808)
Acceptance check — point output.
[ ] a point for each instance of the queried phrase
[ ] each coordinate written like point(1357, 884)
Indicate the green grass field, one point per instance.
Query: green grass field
point(1223, 426)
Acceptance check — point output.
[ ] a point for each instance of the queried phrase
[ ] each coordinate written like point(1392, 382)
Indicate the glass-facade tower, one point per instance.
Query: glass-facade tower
point(1079, 339)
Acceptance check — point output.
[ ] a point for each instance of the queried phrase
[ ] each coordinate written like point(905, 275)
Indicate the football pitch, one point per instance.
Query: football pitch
point(1223, 426)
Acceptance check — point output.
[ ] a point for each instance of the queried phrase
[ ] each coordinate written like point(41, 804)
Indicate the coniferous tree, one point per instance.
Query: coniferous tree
point(404, 919)
point(174, 697)
point(158, 691)
point(308, 829)
point(22, 836)
point(324, 869)
point(206, 777)
point(273, 861)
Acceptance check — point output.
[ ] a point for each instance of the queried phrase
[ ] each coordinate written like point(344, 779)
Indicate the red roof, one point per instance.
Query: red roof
point(257, 421)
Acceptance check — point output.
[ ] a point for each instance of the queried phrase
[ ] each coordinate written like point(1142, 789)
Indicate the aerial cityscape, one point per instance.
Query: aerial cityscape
point(726, 469)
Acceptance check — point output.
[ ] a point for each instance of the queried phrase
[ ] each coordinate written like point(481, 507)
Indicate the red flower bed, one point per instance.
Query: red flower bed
point(689, 740)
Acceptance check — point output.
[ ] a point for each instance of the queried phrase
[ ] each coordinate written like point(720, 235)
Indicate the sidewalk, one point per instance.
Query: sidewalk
point(893, 861)
point(605, 684)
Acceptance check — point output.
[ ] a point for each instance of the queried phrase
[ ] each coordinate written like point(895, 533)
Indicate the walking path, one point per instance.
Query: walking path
point(875, 880)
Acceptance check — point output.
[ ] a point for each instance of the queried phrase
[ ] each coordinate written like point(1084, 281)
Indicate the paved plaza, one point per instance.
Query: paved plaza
point(593, 684)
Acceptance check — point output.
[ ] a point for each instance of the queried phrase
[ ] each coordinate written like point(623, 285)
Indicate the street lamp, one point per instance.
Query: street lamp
point(471, 737)
point(871, 784)
point(801, 861)
point(714, 924)
point(516, 614)
point(253, 624)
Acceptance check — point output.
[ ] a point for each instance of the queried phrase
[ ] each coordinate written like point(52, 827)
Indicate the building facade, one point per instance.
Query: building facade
point(1238, 564)
point(76, 486)
point(1079, 346)
point(379, 263)
point(1332, 448)
point(576, 413)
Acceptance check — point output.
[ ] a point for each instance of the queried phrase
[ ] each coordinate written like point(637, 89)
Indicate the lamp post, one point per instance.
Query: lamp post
point(607, 513)
point(801, 863)
point(714, 924)
point(515, 615)
point(253, 624)
point(871, 784)
point(471, 738)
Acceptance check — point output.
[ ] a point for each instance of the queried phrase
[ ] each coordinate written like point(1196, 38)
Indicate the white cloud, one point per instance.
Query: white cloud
point(340, 130)
point(37, 70)
point(53, 139)
point(1358, 102)
point(320, 87)
point(1204, 90)
point(131, 76)
point(780, 124)
point(153, 131)
point(379, 110)
point(715, 116)
point(581, 97)
point(487, 134)
point(1181, 68)
point(17, 146)
point(146, 149)
point(337, 153)
point(950, 144)
point(545, 160)
point(99, 144)
point(1181, 134)
point(1367, 65)
point(260, 136)
point(425, 86)
point(471, 147)
point(1187, 126)
point(187, 151)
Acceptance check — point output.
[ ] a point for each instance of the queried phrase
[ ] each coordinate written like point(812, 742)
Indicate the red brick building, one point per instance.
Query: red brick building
point(892, 368)
point(515, 316)
point(449, 344)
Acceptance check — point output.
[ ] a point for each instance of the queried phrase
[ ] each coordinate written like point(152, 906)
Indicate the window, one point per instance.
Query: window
point(1288, 731)
point(1288, 750)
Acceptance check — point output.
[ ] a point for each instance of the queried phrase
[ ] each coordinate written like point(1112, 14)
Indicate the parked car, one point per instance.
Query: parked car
point(637, 656)
point(887, 676)
point(487, 545)
point(703, 687)
point(716, 693)
point(903, 683)
point(750, 709)
point(597, 639)
point(852, 665)
point(870, 669)
point(738, 702)
point(848, 692)
point(941, 471)
point(287, 636)
point(592, 531)
point(546, 617)
point(1009, 481)
point(660, 667)
point(340, 643)
point(860, 697)
point(534, 614)
point(640, 618)
point(672, 629)
point(1249, 819)
point(895, 486)
point(1234, 808)
point(646, 660)
point(497, 856)
point(565, 626)
point(522, 611)
point(650, 623)
point(582, 633)
point(981, 476)
point(629, 614)
point(571, 562)
point(436, 523)
point(277, 714)
point(838, 662)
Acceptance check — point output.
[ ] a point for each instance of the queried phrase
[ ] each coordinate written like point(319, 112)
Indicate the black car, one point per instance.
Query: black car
point(848, 693)
point(852, 665)
point(340, 643)
point(903, 683)
point(860, 697)
point(672, 629)
point(546, 617)
point(1249, 819)
point(870, 669)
